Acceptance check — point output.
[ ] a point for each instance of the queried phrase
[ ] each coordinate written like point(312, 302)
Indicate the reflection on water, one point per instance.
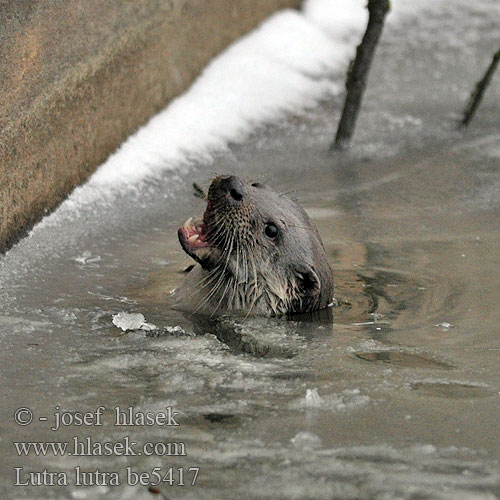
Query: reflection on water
point(401, 358)
point(452, 389)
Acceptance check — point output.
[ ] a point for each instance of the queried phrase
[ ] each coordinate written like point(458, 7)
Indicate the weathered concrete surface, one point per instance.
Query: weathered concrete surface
point(78, 76)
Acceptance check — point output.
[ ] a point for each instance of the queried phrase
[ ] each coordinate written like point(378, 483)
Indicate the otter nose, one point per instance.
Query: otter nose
point(232, 186)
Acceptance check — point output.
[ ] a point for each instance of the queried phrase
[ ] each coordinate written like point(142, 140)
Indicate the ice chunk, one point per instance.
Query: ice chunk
point(175, 331)
point(132, 321)
point(348, 399)
point(87, 258)
point(306, 441)
point(148, 327)
point(444, 325)
point(313, 399)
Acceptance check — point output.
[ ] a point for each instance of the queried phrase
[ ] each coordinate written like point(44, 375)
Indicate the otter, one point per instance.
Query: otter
point(257, 252)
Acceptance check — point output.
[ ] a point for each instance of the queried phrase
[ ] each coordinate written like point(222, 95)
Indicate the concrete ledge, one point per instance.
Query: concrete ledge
point(78, 76)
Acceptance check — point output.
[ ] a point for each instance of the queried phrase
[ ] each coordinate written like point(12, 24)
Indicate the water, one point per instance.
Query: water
point(397, 395)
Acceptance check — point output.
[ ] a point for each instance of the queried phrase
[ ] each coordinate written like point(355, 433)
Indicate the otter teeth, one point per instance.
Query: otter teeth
point(188, 223)
point(193, 238)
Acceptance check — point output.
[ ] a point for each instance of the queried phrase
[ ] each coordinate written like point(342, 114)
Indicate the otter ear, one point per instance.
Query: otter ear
point(307, 280)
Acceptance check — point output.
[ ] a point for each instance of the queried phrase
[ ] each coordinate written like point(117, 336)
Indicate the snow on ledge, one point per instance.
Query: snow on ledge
point(280, 66)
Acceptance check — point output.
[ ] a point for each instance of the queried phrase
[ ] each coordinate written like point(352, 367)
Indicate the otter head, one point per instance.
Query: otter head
point(258, 251)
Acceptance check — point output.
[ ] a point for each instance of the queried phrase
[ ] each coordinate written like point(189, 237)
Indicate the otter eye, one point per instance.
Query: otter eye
point(257, 185)
point(271, 230)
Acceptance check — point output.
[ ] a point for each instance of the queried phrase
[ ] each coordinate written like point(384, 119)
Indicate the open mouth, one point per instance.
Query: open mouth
point(193, 238)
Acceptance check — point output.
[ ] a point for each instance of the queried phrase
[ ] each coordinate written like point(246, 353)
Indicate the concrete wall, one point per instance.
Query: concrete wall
point(78, 76)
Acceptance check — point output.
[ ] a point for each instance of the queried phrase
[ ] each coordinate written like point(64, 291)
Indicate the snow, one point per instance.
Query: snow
point(341, 19)
point(281, 66)
point(284, 65)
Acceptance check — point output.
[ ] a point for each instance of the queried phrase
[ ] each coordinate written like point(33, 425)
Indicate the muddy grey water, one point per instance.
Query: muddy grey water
point(396, 396)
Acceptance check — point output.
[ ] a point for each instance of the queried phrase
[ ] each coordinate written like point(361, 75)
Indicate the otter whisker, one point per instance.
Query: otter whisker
point(213, 275)
point(255, 287)
point(220, 281)
point(223, 295)
point(235, 280)
point(217, 237)
point(246, 267)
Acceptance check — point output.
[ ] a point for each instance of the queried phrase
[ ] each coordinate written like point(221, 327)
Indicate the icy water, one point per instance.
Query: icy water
point(396, 395)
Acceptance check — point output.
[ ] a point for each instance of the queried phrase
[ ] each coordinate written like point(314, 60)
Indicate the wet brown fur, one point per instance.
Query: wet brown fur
point(247, 271)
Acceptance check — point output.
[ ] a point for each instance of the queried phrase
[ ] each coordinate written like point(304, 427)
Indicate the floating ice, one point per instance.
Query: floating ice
point(128, 321)
point(424, 449)
point(90, 492)
point(172, 331)
point(306, 441)
point(444, 325)
point(132, 321)
point(348, 399)
point(68, 316)
point(313, 399)
point(175, 330)
point(148, 327)
point(87, 258)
